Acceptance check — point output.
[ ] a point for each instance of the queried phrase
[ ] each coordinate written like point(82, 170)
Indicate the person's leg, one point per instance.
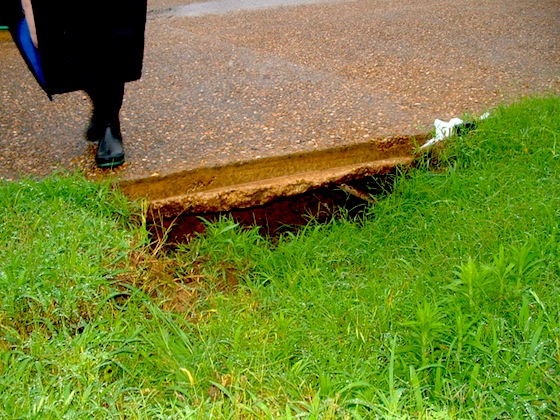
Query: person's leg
point(104, 127)
point(107, 100)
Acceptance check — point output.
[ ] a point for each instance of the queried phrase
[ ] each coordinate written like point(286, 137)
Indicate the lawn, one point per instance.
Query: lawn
point(439, 302)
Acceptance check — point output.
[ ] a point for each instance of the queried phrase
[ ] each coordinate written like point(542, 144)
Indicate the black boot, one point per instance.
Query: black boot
point(110, 151)
point(104, 128)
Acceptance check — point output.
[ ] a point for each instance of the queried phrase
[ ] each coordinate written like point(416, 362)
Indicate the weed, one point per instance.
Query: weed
point(440, 303)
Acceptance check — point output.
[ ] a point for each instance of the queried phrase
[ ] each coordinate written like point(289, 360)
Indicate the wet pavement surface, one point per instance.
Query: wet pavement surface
point(227, 81)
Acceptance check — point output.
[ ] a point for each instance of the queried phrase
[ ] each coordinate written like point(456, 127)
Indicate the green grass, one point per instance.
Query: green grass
point(440, 302)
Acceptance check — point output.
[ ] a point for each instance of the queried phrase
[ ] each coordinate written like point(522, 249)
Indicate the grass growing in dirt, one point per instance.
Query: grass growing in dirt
point(441, 302)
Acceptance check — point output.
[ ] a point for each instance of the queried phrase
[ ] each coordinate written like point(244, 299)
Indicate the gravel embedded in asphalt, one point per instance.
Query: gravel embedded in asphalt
point(244, 85)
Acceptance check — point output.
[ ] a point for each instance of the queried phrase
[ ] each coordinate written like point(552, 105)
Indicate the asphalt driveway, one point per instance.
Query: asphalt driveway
point(240, 81)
